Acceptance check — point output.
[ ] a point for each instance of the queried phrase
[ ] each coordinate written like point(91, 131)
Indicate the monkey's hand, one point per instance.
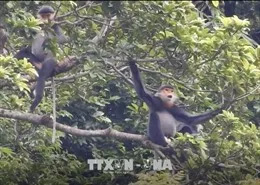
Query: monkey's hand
point(168, 140)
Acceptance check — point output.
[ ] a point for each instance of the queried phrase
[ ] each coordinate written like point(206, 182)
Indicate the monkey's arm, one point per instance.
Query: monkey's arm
point(180, 114)
point(188, 122)
point(37, 46)
point(138, 84)
point(204, 117)
point(40, 39)
point(189, 119)
point(60, 36)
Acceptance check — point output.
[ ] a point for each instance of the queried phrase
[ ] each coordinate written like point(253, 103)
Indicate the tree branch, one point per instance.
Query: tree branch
point(71, 12)
point(106, 25)
point(176, 80)
point(109, 132)
point(48, 122)
point(247, 94)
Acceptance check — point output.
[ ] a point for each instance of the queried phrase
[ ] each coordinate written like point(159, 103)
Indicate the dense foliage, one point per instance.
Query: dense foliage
point(206, 61)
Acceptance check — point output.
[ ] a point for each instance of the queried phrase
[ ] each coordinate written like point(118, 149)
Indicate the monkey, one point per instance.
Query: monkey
point(166, 118)
point(46, 15)
point(43, 59)
point(44, 68)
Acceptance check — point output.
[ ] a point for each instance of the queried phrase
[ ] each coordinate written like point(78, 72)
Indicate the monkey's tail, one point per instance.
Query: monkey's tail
point(39, 92)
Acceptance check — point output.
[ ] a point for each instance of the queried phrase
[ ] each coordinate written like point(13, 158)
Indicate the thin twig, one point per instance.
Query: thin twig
point(247, 94)
point(54, 110)
point(71, 12)
point(174, 79)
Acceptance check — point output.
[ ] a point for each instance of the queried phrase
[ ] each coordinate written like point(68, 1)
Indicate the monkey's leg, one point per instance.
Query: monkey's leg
point(45, 72)
point(25, 52)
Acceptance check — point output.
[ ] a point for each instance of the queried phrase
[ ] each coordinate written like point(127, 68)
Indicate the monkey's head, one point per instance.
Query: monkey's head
point(167, 95)
point(46, 13)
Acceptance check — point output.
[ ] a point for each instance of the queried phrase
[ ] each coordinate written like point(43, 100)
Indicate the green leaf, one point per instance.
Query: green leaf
point(5, 151)
point(226, 21)
point(106, 120)
point(215, 3)
point(168, 34)
point(3, 72)
point(98, 113)
point(113, 98)
point(133, 107)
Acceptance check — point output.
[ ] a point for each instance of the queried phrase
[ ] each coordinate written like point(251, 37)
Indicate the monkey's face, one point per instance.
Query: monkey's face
point(167, 96)
point(46, 17)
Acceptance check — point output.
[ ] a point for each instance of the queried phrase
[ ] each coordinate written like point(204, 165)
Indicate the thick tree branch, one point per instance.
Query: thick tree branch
point(66, 65)
point(109, 132)
point(48, 122)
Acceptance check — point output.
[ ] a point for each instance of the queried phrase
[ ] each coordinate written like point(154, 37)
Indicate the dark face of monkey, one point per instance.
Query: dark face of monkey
point(167, 96)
